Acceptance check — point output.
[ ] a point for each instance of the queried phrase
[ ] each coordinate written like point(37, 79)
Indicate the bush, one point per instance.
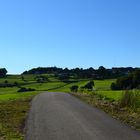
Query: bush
point(41, 79)
point(131, 81)
point(74, 88)
point(89, 85)
point(114, 86)
point(23, 89)
point(130, 99)
point(64, 77)
point(6, 81)
point(16, 83)
point(22, 78)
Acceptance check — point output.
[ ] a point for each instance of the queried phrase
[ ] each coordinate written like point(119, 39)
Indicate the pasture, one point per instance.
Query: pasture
point(14, 105)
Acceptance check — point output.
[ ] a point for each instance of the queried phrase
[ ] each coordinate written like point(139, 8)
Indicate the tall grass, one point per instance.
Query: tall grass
point(130, 98)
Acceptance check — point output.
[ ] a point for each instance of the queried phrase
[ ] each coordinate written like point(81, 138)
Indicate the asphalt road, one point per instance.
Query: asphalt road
point(60, 116)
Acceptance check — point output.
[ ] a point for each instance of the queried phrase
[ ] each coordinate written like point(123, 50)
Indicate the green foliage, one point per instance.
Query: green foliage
point(136, 78)
point(113, 86)
point(7, 84)
point(41, 78)
point(3, 72)
point(89, 85)
point(127, 82)
point(23, 89)
point(64, 77)
point(111, 95)
point(52, 84)
point(103, 84)
point(6, 81)
point(16, 83)
point(101, 73)
point(130, 99)
point(74, 88)
point(22, 78)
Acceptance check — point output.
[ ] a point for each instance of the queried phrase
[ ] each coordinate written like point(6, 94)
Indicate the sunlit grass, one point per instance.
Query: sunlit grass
point(111, 95)
point(103, 84)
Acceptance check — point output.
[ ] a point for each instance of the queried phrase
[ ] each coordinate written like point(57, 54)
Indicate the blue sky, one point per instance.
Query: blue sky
point(69, 33)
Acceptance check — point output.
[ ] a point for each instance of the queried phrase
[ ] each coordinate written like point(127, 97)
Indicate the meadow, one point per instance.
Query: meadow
point(53, 85)
point(14, 105)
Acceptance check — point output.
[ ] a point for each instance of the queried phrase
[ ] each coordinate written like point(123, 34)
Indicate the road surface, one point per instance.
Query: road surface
point(60, 116)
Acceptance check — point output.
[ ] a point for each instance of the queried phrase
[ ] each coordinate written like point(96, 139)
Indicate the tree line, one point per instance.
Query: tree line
point(130, 81)
point(100, 73)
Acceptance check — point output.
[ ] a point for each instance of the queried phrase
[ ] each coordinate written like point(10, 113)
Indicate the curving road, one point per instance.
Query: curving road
point(60, 116)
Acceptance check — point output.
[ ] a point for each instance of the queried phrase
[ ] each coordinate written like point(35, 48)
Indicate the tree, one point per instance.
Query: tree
point(41, 79)
point(3, 72)
point(64, 77)
point(89, 85)
point(136, 78)
point(22, 78)
point(74, 88)
point(114, 86)
point(6, 81)
point(130, 81)
point(16, 83)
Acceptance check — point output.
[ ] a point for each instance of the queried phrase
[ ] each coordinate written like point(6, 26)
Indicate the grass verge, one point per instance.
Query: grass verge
point(12, 119)
point(125, 114)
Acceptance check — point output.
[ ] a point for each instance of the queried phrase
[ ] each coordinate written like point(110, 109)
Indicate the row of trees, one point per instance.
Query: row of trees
point(100, 73)
point(130, 81)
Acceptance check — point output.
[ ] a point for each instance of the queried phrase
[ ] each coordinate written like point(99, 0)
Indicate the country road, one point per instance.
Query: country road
point(60, 116)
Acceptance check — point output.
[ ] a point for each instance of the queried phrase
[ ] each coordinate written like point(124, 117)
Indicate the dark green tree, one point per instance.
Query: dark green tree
point(74, 88)
point(89, 85)
point(3, 72)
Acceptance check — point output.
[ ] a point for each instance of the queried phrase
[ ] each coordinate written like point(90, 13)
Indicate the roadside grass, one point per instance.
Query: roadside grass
point(110, 95)
point(8, 90)
point(14, 105)
point(131, 99)
point(12, 119)
point(120, 105)
point(17, 96)
point(13, 112)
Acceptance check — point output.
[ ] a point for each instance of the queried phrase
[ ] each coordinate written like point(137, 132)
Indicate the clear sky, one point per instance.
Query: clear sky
point(69, 33)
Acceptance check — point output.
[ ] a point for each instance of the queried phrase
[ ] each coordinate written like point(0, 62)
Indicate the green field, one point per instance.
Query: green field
point(14, 105)
point(103, 89)
point(54, 85)
point(103, 85)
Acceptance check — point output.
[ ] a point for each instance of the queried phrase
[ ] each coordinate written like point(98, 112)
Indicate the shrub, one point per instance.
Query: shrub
point(22, 78)
point(6, 81)
point(89, 85)
point(130, 99)
point(82, 89)
point(16, 83)
point(41, 79)
point(74, 88)
point(114, 86)
point(63, 77)
point(127, 82)
point(23, 89)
